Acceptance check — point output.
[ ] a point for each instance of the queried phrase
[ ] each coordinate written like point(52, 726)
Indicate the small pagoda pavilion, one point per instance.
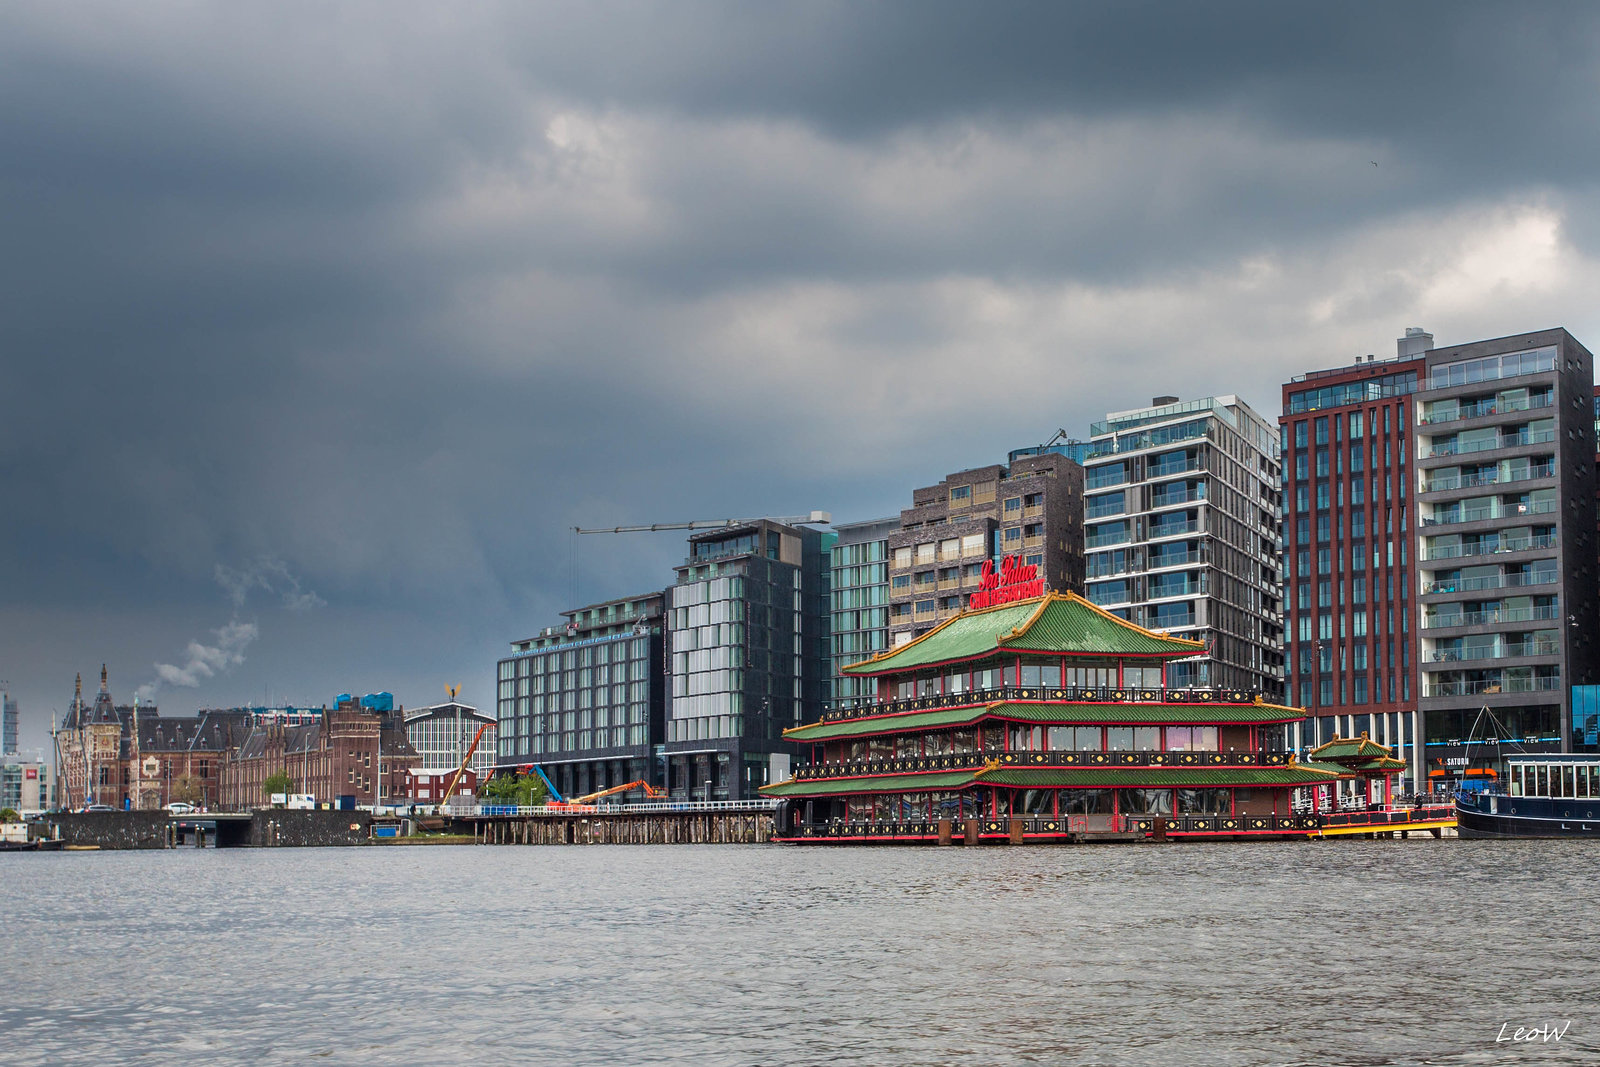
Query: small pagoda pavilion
point(1049, 719)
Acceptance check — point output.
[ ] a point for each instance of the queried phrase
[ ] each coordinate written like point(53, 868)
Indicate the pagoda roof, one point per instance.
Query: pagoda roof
point(1087, 714)
point(1357, 752)
point(1082, 777)
point(1058, 623)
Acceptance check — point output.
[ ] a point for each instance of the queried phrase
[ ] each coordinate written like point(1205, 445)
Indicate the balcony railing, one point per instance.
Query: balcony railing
point(1512, 511)
point(1511, 440)
point(1162, 470)
point(1500, 581)
point(1121, 537)
point(1524, 648)
point(1442, 483)
point(1047, 694)
point(1481, 688)
point(1167, 500)
point(1064, 826)
point(1173, 529)
point(1504, 544)
point(1488, 618)
point(1490, 407)
point(957, 761)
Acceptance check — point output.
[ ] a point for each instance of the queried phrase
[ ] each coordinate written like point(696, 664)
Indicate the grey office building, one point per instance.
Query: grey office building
point(860, 601)
point(747, 656)
point(1182, 534)
point(1031, 508)
point(1506, 561)
point(585, 700)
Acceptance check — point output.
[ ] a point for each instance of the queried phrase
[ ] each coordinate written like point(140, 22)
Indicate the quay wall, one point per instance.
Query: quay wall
point(284, 828)
point(108, 829)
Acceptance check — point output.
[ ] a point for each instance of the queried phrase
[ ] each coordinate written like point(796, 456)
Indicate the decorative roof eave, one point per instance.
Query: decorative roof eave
point(889, 783)
point(1090, 714)
point(1005, 641)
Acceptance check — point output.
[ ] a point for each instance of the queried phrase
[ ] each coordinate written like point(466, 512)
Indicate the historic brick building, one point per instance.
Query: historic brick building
point(351, 753)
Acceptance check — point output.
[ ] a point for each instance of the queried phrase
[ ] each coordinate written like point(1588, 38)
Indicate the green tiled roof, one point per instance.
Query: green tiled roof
point(1085, 777)
point(1105, 777)
point(1056, 622)
point(1351, 748)
point(1086, 714)
point(892, 783)
point(917, 720)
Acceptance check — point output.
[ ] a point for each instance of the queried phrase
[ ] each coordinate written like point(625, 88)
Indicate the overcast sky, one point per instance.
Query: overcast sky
point(322, 325)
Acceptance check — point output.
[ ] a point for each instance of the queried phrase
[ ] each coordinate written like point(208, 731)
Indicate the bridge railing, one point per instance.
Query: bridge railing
point(649, 807)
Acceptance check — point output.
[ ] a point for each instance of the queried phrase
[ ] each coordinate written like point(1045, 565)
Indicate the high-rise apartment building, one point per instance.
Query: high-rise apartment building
point(1349, 572)
point(8, 725)
point(1181, 534)
point(1031, 509)
point(585, 700)
point(1506, 554)
point(860, 601)
point(748, 655)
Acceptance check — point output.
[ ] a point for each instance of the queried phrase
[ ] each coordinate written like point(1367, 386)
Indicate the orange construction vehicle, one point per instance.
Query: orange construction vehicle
point(586, 802)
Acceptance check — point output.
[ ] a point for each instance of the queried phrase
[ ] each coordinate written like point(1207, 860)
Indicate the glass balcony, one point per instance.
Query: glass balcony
point(1504, 544)
point(1489, 406)
point(1523, 648)
point(1504, 511)
point(1441, 482)
point(1488, 618)
point(1512, 440)
point(1491, 581)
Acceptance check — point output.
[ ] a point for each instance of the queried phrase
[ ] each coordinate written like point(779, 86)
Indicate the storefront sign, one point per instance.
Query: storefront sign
point(1012, 582)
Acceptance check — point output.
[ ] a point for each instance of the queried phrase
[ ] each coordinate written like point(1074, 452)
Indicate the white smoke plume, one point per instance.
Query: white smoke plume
point(271, 574)
point(204, 661)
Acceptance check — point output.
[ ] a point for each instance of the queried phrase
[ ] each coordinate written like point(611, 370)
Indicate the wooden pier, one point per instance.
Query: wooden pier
point(740, 825)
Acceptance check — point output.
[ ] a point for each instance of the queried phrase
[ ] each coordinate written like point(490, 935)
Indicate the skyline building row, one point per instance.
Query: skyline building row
point(1412, 544)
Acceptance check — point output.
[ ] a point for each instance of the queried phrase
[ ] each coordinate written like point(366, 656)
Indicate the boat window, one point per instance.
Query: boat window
point(965, 740)
point(1179, 738)
point(1086, 802)
point(1205, 739)
point(1144, 801)
point(1034, 802)
point(883, 807)
point(975, 804)
point(1139, 676)
point(913, 807)
point(994, 736)
point(1204, 802)
point(880, 748)
point(947, 806)
point(1088, 739)
point(858, 748)
point(1542, 777)
point(955, 683)
point(1147, 739)
point(936, 743)
point(1027, 738)
point(1119, 738)
point(907, 746)
point(1060, 739)
point(928, 686)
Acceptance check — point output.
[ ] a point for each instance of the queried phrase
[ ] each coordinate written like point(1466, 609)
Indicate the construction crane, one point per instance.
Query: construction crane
point(815, 518)
point(448, 793)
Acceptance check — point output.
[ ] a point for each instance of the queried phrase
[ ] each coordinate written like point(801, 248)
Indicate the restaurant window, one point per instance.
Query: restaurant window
point(1119, 739)
point(1085, 802)
point(1030, 738)
point(1204, 802)
point(1144, 801)
point(1033, 802)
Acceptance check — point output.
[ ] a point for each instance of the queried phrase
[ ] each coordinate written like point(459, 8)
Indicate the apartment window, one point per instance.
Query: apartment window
point(925, 552)
point(902, 558)
point(1300, 434)
point(1033, 500)
point(1013, 503)
point(960, 494)
point(1013, 534)
point(1322, 430)
point(1035, 529)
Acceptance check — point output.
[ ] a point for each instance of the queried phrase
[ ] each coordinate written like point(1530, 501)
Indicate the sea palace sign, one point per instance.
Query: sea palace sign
point(1012, 582)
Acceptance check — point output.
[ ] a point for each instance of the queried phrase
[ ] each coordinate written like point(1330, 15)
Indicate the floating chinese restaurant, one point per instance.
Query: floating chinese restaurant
point(1048, 719)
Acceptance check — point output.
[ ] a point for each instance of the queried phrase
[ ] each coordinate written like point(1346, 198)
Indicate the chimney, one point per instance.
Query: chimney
point(1415, 342)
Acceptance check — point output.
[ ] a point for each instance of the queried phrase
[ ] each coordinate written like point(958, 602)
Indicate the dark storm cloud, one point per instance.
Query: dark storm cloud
point(393, 296)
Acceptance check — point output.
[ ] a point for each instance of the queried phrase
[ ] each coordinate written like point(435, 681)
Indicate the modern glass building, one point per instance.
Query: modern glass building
point(859, 595)
point(1181, 534)
point(8, 725)
point(585, 700)
point(1349, 568)
point(1506, 559)
point(748, 656)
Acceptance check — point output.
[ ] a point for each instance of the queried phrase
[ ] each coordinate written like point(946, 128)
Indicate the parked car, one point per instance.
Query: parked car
point(179, 807)
point(99, 807)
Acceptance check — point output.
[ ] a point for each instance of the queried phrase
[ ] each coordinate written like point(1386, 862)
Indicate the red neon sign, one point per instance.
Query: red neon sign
point(1012, 582)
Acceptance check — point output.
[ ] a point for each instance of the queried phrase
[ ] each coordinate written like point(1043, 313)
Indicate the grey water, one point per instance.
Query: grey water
point(1340, 952)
